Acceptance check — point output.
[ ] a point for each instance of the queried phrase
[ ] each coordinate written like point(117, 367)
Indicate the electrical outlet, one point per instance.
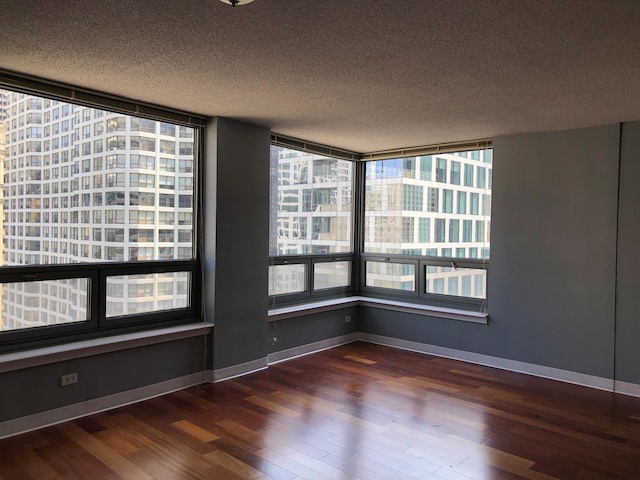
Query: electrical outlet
point(68, 379)
point(347, 319)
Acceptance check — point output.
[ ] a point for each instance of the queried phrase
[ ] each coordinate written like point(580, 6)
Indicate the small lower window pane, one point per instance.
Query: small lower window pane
point(146, 293)
point(38, 304)
point(456, 281)
point(398, 276)
point(285, 279)
point(331, 275)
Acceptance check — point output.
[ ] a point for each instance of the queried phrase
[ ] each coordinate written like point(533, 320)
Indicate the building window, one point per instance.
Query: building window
point(441, 170)
point(79, 207)
point(316, 189)
point(310, 216)
point(452, 224)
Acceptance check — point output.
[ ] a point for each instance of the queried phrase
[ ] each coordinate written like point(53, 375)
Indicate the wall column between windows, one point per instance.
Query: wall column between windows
point(236, 240)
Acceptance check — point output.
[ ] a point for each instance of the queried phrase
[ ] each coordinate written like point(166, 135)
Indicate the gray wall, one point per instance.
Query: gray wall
point(628, 299)
point(294, 332)
point(37, 389)
point(237, 253)
point(553, 257)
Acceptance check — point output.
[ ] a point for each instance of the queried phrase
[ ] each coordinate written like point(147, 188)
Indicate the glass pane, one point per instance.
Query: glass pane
point(311, 203)
point(399, 276)
point(37, 304)
point(331, 275)
point(145, 293)
point(429, 205)
point(285, 279)
point(462, 282)
point(70, 170)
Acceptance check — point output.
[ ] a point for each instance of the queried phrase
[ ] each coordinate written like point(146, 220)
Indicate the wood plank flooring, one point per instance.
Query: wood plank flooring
point(355, 411)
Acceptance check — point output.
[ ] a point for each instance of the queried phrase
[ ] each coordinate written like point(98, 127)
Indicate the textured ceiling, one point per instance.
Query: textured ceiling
point(364, 75)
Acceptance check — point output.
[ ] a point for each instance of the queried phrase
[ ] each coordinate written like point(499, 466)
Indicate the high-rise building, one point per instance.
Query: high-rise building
point(86, 185)
point(311, 203)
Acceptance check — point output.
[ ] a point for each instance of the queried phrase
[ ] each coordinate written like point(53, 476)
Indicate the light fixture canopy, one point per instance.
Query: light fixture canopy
point(233, 3)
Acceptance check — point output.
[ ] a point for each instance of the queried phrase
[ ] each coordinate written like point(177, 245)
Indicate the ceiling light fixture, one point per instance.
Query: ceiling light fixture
point(233, 3)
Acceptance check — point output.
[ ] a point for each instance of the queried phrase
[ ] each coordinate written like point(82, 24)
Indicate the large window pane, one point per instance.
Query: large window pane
point(286, 279)
point(146, 293)
point(397, 276)
point(68, 182)
point(331, 275)
point(447, 205)
point(462, 282)
point(37, 304)
point(81, 187)
point(311, 203)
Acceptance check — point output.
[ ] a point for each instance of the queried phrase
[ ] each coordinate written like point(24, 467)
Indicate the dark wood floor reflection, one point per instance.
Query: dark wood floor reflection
point(355, 411)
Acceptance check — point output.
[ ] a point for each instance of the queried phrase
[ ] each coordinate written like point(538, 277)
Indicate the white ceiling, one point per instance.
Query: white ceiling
point(364, 75)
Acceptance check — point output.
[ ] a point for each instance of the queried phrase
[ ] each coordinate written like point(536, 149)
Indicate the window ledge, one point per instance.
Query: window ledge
point(311, 307)
point(416, 308)
point(69, 351)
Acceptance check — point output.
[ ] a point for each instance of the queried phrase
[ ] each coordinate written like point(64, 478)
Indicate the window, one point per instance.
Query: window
point(473, 209)
point(146, 199)
point(145, 180)
point(468, 175)
point(311, 216)
point(167, 200)
point(412, 197)
point(455, 173)
point(454, 230)
point(441, 170)
point(440, 230)
point(462, 203)
point(331, 275)
point(447, 201)
point(168, 165)
point(80, 207)
point(309, 189)
point(393, 276)
point(144, 162)
point(456, 211)
point(142, 143)
point(287, 279)
point(185, 201)
point(168, 146)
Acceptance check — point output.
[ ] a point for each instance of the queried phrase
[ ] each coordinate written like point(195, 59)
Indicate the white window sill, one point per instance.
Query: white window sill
point(97, 346)
point(416, 308)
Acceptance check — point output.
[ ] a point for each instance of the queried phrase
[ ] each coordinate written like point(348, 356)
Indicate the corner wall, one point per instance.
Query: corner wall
point(628, 295)
point(553, 257)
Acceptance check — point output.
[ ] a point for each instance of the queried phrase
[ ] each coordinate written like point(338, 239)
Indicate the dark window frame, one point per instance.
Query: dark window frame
point(97, 324)
point(311, 293)
point(359, 258)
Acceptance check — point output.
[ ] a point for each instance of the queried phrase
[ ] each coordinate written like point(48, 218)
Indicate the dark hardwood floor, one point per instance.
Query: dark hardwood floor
point(355, 411)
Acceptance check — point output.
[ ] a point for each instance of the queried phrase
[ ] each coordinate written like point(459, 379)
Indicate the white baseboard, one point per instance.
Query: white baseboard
point(88, 407)
point(262, 363)
point(309, 348)
point(239, 370)
point(70, 412)
point(505, 364)
point(627, 388)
